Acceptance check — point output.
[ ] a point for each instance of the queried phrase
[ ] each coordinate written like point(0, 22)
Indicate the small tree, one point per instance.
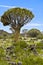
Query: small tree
point(34, 33)
point(24, 32)
point(16, 18)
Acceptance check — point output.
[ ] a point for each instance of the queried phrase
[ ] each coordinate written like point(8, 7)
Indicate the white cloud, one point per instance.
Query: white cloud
point(36, 24)
point(7, 6)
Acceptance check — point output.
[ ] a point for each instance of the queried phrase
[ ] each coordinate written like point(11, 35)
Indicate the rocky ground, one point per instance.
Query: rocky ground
point(25, 52)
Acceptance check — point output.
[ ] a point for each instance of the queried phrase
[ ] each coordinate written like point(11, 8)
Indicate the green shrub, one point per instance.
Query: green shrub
point(2, 52)
point(22, 44)
point(40, 36)
point(39, 45)
point(3, 62)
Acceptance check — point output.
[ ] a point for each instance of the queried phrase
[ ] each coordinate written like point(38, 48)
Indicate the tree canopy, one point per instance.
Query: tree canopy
point(34, 33)
point(16, 16)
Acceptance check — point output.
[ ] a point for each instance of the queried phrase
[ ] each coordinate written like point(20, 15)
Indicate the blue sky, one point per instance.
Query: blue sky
point(36, 6)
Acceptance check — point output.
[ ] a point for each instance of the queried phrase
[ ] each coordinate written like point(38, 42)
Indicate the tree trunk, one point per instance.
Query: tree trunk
point(16, 35)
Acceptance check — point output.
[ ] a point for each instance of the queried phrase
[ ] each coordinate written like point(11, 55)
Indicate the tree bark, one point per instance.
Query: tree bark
point(16, 35)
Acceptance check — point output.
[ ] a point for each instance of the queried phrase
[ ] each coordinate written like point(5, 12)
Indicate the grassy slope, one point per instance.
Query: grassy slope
point(21, 53)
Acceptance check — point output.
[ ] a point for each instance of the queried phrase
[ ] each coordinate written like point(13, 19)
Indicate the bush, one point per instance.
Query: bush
point(2, 52)
point(40, 36)
point(33, 33)
point(40, 46)
point(22, 44)
point(3, 62)
point(32, 60)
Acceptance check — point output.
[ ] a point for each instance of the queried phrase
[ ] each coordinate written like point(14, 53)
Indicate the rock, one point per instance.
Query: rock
point(33, 49)
point(12, 63)
point(9, 50)
point(25, 49)
point(19, 63)
point(14, 56)
point(8, 58)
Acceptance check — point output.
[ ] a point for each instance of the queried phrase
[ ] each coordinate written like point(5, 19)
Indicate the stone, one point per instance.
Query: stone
point(19, 63)
point(8, 58)
point(12, 63)
point(9, 50)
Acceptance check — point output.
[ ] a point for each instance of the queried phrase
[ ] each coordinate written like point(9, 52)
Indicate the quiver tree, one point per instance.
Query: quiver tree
point(16, 18)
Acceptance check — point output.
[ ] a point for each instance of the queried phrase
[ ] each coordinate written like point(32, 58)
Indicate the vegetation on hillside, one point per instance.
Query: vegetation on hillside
point(22, 53)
